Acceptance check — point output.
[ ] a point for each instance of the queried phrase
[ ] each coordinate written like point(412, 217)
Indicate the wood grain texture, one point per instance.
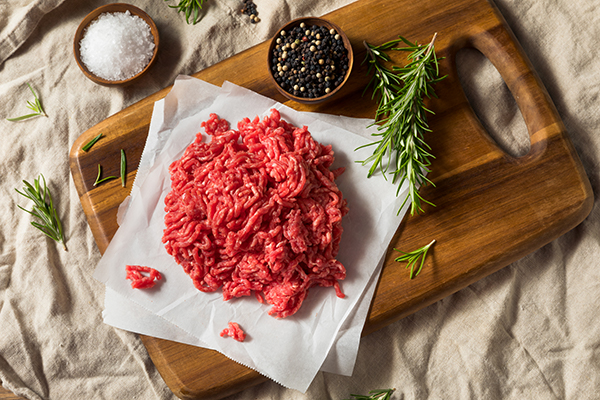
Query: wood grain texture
point(491, 209)
point(6, 394)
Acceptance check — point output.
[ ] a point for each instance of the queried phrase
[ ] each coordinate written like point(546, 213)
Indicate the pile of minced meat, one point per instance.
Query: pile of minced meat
point(256, 211)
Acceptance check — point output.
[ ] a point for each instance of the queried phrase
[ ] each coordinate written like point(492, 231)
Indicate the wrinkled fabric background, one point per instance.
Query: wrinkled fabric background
point(529, 331)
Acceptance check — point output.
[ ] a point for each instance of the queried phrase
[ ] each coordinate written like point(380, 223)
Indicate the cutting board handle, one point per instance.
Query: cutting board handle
point(502, 49)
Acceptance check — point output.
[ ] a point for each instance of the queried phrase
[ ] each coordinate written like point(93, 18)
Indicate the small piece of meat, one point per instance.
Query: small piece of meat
point(234, 331)
point(139, 281)
point(256, 211)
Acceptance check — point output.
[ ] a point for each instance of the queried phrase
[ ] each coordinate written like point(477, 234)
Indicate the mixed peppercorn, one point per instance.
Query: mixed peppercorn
point(249, 8)
point(309, 61)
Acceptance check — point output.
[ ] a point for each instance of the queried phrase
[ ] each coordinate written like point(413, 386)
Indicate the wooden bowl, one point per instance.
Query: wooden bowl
point(113, 8)
point(309, 21)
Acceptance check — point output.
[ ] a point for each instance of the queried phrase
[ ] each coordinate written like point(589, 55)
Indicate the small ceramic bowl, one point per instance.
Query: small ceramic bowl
point(309, 22)
point(113, 8)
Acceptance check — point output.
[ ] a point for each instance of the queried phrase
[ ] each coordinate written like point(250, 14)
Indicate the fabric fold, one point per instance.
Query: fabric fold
point(18, 21)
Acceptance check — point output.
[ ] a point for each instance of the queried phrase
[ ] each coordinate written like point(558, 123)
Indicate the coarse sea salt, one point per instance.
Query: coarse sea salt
point(116, 46)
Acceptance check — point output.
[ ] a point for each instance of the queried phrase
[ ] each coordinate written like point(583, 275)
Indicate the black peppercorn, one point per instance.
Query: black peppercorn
point(249, 8)
point(316, 61)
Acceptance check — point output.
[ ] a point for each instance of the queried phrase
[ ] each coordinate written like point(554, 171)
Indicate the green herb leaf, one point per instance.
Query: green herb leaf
point(36, 107)
point(123, 167)
point(413, 258)
point(379, 394)
point(98, 180)
point(401, 115)
point(43, 209)
point(191, 9)
point(89, 144)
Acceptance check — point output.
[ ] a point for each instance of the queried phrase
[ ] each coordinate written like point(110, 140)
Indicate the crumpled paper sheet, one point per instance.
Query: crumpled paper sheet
point(290, 351)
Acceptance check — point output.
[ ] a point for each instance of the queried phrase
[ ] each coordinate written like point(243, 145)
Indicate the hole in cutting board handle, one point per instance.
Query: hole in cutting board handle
point(492, 102)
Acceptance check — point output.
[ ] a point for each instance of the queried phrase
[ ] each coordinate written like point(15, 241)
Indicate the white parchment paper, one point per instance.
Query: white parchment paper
point(291, 350)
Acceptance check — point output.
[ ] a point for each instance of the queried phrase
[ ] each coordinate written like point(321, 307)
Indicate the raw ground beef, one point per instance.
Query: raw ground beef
point(256, 211)
point(234, 331)
point(139, 281)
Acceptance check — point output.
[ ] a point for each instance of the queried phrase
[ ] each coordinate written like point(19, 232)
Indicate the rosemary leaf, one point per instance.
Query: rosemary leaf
point(43, 209)
point(92, 142)
point(413, 258)
point(22, 117)
point(401, 115)
point(36, 107)
point(98, 180)
point(123, 168)
point(379, 394)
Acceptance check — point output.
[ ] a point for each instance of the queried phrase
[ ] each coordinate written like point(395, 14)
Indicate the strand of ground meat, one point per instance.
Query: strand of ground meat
point(234, 331)
point(256, 211)
point(139, 281)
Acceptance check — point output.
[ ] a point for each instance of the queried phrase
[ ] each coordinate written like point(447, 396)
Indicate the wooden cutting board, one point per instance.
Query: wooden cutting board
point(492, 209)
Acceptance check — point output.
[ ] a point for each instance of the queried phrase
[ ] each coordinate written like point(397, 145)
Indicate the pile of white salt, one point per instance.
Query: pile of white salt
point(116, 46)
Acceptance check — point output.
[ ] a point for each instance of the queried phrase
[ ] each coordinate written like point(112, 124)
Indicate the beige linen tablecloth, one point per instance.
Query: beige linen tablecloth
point(529, 331)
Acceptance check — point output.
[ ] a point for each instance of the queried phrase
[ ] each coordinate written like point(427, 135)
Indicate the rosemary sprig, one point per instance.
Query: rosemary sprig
point(401, 115)
point(92, 142)
point(379, 394)
point(98, 180)
point(191, 8)
point(413, 258)
point(35, 106)
point(43, 209)
point(385, 82)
